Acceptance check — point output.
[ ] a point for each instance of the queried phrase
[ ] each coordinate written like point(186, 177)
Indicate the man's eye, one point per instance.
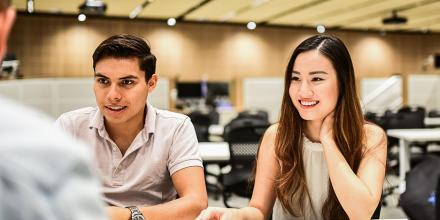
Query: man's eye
point(127, 82)
point(102, 81)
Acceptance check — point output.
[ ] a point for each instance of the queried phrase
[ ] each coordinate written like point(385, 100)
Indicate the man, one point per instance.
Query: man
point(144, 154)
point(44, 174)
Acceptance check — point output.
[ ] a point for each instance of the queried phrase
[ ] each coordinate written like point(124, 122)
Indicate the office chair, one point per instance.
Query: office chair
point(243, 146)
point(254, 114)
point(201, 124)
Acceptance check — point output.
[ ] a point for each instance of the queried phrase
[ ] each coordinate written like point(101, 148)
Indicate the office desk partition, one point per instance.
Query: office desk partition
point(214, 152)
point(406, 137)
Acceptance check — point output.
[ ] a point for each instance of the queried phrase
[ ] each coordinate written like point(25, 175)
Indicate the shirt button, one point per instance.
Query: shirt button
point(114, 149)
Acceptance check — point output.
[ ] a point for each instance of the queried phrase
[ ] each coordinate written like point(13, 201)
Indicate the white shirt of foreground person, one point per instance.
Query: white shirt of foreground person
point(142, 176)
point(44, 173)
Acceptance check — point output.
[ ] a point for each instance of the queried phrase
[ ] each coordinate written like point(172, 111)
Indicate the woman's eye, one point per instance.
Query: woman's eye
point(317, 79)
point(295, 78)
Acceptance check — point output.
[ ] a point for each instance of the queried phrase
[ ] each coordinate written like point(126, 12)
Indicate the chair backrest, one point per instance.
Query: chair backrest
point(401, 120)
point(434, 114)
point(244, 142)
point(254, 114)
point(201, 124)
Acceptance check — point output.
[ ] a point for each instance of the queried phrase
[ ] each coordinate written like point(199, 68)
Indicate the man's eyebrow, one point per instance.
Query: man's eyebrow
point(128, 77)
point(100, 75)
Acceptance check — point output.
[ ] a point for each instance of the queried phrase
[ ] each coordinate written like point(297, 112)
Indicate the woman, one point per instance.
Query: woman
point(322, 160)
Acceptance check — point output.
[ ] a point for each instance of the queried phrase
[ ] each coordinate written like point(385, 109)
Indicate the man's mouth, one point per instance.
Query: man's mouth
point(116, 108)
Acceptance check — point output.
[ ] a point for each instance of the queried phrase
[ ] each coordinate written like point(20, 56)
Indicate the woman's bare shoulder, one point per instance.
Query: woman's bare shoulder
point(375, 136)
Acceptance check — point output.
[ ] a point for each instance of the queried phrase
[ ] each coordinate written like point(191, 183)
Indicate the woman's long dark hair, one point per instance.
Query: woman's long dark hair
point(348, 130)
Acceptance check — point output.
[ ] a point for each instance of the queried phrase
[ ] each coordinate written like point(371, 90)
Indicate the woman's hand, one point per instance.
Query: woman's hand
point(216, 213)
point(326, 132)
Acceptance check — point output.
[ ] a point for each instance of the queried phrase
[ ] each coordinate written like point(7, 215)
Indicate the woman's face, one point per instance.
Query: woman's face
point(314, 86)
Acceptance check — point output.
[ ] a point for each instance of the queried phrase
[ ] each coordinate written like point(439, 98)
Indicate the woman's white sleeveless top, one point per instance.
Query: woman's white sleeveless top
point(317, 178)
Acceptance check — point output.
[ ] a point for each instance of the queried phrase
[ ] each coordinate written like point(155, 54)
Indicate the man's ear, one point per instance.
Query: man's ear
point(7, 18)
point(152, 83)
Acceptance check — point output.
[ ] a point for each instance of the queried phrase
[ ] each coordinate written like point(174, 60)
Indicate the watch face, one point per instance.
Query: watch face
point(138, 217)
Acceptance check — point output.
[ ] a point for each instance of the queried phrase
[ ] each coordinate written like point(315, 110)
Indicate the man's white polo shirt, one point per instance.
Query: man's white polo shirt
point(141, 177)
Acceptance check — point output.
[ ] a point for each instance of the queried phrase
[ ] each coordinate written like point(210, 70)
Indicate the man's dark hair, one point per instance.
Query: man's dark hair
point(127, 46)
point(4, 4)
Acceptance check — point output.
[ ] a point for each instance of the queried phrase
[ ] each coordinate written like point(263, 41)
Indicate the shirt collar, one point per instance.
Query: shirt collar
point(150, 120)
point(149, 126)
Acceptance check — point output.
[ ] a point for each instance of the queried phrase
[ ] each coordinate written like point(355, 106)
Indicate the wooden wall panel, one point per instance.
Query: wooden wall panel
point(49, 45)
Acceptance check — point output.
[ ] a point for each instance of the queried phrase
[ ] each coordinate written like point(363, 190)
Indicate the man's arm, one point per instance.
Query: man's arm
point(190, 186)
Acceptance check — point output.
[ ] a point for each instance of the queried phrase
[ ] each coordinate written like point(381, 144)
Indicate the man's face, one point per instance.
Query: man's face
point(121, 90)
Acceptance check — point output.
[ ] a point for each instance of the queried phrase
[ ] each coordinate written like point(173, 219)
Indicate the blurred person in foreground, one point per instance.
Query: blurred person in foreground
point(44, 173)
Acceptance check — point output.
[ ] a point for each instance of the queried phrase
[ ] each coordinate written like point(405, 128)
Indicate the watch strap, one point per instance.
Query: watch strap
point(136, 214)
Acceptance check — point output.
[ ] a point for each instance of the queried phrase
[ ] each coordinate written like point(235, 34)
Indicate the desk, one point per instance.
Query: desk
point(214, 152)
point(432, 122)
point(407, 136)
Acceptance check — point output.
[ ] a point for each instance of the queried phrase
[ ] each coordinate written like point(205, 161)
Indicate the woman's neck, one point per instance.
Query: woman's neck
point(312, 130)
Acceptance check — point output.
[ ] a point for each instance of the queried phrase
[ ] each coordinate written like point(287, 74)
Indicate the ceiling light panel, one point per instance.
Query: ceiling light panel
point(267, 10)
point(121, 8)
point(50, 6)
point(418, 16)
point(320, 11)
point(219, 10)
point(164, 9)
point(359, 14)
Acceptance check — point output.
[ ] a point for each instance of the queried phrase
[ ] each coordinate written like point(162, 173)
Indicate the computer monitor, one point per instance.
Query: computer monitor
point(437, 61)
point(218, 89)
point(189, 90)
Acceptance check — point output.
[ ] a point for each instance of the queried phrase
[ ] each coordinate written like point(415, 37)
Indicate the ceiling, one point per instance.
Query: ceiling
point(422, 15)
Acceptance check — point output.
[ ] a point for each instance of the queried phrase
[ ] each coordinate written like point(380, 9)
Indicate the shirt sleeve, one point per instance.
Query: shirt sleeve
point(184, 151)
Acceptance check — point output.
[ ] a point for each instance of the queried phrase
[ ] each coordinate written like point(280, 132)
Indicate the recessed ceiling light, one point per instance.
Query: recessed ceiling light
point(251, 25)
point(171, 21)
point(320, 29)
point(82, 17)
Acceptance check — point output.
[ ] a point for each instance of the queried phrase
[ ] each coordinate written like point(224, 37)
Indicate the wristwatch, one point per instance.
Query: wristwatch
point(135, 213)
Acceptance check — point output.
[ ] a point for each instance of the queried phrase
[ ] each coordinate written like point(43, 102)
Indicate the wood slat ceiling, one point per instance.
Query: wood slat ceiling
point(422, 15)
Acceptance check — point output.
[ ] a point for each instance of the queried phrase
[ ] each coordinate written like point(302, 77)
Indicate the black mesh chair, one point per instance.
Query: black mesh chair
point(201, 124)
point(254, 114)
point(243, 143)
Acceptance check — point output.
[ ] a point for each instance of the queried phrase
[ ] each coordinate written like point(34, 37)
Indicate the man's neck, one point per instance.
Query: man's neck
point(123, 134)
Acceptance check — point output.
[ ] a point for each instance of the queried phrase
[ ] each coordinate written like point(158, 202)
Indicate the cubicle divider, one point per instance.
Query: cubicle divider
point(55, 96)
point(263, 93)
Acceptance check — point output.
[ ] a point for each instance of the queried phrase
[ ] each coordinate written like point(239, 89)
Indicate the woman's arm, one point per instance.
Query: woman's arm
point(360, 193)
point(263, 196)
